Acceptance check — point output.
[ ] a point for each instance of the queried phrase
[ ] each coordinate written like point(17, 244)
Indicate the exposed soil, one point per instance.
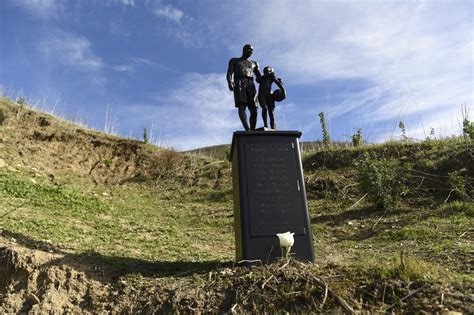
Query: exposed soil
point(54, 146)
point(47, 280)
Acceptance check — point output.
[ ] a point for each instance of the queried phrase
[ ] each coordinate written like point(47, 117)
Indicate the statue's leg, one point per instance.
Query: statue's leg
point(263, 104)
point(264, 117)
point(271, 112)
point(253, 117)
point(251, 102)
point(243, 117)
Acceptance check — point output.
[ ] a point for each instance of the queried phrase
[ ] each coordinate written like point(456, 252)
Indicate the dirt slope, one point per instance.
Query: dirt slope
point(57, 146)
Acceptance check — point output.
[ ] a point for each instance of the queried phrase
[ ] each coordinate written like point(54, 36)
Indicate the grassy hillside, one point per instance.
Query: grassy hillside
point(91, 222)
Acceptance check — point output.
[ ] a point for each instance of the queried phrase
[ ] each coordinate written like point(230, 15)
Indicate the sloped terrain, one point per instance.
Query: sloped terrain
point(96, 223)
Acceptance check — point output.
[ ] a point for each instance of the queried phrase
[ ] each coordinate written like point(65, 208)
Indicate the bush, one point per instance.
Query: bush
point(169, 164)
point(468, 129)
point(322, 119)
point(145, 136)
point(357, 139)
point(381, 179)
point(458, 184)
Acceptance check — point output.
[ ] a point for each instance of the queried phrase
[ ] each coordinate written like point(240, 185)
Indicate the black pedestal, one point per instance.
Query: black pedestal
point(269, 195)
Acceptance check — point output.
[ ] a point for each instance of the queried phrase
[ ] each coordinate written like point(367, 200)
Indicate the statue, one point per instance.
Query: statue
point(267, 98)
point(242, 70)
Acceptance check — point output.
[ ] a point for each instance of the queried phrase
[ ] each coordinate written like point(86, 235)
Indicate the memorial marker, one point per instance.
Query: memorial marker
point(269, 195)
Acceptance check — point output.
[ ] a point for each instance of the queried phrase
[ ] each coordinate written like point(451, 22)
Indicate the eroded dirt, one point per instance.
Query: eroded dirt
point(54, 146)
point(48, 280)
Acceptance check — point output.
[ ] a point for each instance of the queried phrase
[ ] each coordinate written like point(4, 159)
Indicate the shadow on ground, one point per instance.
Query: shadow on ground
point(109, 268)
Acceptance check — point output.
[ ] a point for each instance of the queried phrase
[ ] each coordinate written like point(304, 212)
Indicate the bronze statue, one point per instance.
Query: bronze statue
point(267, 98)
point(242, 70)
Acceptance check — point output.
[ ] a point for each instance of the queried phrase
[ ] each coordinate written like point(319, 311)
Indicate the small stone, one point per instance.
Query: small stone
point(350, 223)
point(105, 194)
point(33, 181)
point(2, 163)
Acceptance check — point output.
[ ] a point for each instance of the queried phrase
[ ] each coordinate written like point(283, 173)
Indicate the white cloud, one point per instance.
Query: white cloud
point(199, 113)
point(39, 8)
point(71, 50)
point(168, 12)
point(181, 27)
point(136, 62)
point(129, 68)
point(127, 2)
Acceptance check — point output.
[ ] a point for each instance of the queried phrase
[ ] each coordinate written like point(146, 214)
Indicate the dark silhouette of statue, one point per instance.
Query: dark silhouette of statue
point(267, 98)
point(240, 80)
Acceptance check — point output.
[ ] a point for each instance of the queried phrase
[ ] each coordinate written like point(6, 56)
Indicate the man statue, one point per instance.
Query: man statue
point(242, 84)
point(267, 98)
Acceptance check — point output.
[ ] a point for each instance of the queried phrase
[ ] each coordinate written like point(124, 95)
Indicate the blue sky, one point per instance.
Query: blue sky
point(131, 64)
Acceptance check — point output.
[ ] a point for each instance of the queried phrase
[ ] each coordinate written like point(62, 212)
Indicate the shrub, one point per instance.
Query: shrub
point(381, 179)
point(458, 184)
point(145, 136)
point(403, 130)
point(468, 129)
point(358, 139)
point(322, 119)
point(169, 164)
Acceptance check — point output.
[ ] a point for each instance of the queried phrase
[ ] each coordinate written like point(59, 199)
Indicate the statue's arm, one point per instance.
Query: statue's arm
point(230, 70)
point(256, 70)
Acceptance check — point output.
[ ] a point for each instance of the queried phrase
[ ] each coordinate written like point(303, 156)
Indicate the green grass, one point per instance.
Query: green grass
point(132, 222)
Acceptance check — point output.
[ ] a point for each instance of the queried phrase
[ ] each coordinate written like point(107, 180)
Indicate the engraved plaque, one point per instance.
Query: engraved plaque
point(269, 196)
point(273, 189)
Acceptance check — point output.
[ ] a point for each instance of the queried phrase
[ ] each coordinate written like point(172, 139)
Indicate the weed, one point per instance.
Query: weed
point(21, 101)
point(432, 133)
point(467, 126)
point(169, 164)
point(357, 139)
point(107, 162)
point(402, 127)
point(322, 119)
point(381, 179)
point(458, 184)
point(145, 136)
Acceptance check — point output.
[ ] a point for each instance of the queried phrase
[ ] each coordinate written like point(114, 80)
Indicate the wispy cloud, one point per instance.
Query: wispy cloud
point(168, 12)
point(180, 26)
point(70, 50)
point(198, 113)
point(131, 67)
point(39, 8)
point(127, 2)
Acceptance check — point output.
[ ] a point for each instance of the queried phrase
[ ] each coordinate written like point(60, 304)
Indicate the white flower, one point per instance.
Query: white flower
point(286, 241)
